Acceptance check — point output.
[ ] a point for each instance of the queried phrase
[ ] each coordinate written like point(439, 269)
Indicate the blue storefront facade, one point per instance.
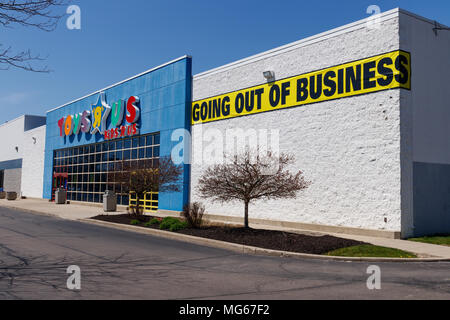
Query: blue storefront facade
point(132, 120)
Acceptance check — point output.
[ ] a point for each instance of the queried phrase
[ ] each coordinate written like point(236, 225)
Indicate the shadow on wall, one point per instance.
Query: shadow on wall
point(431, 199)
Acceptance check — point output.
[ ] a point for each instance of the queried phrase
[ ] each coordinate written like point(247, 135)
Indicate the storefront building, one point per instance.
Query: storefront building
point(363, 108)
point(122, 124)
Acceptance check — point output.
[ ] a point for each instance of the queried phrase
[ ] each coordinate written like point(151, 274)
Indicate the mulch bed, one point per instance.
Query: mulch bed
point(267, 239)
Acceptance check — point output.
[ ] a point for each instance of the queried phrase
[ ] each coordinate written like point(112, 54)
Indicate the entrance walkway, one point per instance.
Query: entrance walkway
point(73, 211)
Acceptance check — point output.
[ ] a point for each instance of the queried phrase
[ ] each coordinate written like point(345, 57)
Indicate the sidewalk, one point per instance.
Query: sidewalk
point(77, 211)
point(73, 211)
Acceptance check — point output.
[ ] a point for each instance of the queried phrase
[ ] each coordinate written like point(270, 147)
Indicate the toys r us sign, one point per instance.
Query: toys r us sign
point(96, 120)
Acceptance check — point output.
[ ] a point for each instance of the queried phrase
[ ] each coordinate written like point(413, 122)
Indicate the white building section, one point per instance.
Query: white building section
point(12, 139)
point(425, 128)
point(33, 163)
point(15, 151)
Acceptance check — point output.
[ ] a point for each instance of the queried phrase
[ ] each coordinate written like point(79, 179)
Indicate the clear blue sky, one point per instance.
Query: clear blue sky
point(122, 38)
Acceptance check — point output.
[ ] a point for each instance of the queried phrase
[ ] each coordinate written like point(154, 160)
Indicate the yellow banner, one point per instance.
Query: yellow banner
point(383, 72)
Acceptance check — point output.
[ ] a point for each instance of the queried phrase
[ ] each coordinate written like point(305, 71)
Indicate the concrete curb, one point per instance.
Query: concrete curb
point(246, 249)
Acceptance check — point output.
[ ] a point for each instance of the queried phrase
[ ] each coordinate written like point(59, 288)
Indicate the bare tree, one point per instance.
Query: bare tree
point(27, 13)
point(144, 176)
point(245, 178)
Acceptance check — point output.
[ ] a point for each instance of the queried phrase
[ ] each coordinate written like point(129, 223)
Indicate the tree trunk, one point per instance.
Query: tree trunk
point(246, 215)
point(138, 206)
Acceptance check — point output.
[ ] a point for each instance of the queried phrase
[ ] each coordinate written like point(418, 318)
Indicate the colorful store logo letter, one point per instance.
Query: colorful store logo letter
point(96, 120)
point(100, 113)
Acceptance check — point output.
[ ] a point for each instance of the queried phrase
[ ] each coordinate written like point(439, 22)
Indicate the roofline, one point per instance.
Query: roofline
point(121, 82)
point(384, 16)
point(36, 128)
point(34, 115)
point(13, 120)
point(413, 15)
point(21, 117)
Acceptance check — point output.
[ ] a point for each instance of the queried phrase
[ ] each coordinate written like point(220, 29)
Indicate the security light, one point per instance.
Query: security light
point(269, 75)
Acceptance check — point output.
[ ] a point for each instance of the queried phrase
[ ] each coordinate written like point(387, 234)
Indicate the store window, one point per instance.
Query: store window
point(90, 169)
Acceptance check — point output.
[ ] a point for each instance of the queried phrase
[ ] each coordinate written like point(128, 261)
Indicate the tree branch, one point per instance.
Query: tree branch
point(20, 60)
point(30, 13)
point(27, 13)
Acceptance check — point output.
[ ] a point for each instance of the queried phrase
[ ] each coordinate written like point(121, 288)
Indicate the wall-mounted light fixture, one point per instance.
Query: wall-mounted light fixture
point(269, 75)
point(34, 140)
point(17, 149)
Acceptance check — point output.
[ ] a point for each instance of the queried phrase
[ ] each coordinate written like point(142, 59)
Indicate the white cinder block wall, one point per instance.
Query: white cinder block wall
point(349, 148)
point(12, 137)
point(33, 163)
point(10, 150)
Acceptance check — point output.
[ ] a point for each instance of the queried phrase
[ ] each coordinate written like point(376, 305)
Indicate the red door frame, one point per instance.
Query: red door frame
point(59, 181)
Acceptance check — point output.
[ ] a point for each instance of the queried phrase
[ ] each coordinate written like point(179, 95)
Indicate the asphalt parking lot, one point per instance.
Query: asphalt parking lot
point(35, 252)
